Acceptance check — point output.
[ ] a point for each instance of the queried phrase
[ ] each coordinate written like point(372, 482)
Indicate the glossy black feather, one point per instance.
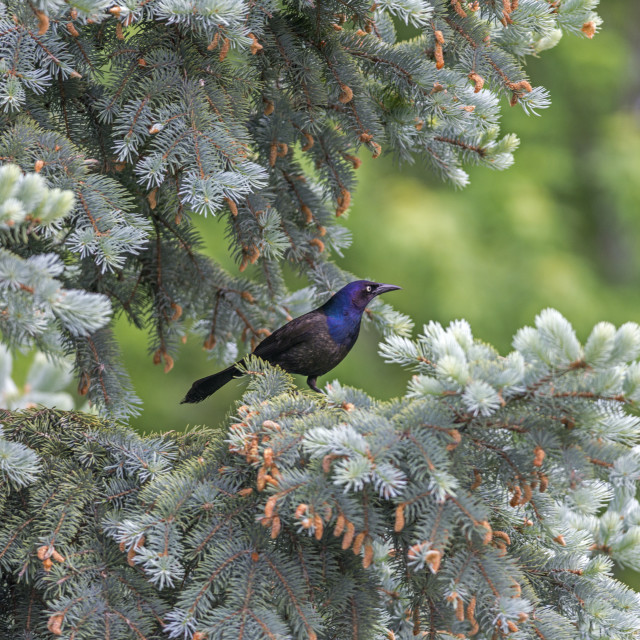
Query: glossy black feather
point(310, 345)
point(304, 346)
point(204, 387)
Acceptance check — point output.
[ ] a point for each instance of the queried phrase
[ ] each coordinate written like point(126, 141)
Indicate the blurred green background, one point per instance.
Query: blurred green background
point(559, 229)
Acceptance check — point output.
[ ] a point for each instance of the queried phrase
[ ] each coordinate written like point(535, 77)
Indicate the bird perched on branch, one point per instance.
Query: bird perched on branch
point(310, 345)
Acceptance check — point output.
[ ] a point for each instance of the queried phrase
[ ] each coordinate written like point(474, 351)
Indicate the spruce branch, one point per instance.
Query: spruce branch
point(338, 515)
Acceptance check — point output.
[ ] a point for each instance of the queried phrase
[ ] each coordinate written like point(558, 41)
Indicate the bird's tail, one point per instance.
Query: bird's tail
point(204, 387)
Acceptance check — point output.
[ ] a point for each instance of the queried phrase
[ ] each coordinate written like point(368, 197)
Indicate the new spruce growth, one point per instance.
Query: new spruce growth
point(489, 502)
point(155, 112)
point(35, 306)
point(44, 384)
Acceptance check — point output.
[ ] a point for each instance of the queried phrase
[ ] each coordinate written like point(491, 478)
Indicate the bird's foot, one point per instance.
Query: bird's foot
point(312, 384)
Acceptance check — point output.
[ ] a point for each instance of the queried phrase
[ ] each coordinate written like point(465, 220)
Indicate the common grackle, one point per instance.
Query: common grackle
point(310, 345)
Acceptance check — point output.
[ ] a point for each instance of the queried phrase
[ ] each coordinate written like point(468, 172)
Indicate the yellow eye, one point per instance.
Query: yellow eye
point(369, 288)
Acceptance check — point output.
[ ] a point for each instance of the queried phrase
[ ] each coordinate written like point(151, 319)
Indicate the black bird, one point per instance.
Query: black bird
point(310, 345)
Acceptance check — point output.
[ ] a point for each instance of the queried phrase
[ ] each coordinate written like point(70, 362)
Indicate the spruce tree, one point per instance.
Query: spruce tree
point(491, 501)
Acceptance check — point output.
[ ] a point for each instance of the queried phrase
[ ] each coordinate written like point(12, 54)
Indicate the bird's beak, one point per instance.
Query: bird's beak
point(383, 288)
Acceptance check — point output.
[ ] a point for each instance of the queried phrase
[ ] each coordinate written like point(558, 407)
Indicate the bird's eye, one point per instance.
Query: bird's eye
point(369, 288)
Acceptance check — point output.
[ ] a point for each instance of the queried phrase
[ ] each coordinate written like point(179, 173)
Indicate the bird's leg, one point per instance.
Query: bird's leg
point(311, 381)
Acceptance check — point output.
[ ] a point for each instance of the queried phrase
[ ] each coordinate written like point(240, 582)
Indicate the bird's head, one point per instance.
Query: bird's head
point(360, 293)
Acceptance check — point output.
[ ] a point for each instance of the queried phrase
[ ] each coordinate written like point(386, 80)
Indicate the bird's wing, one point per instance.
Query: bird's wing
point(298, 330)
